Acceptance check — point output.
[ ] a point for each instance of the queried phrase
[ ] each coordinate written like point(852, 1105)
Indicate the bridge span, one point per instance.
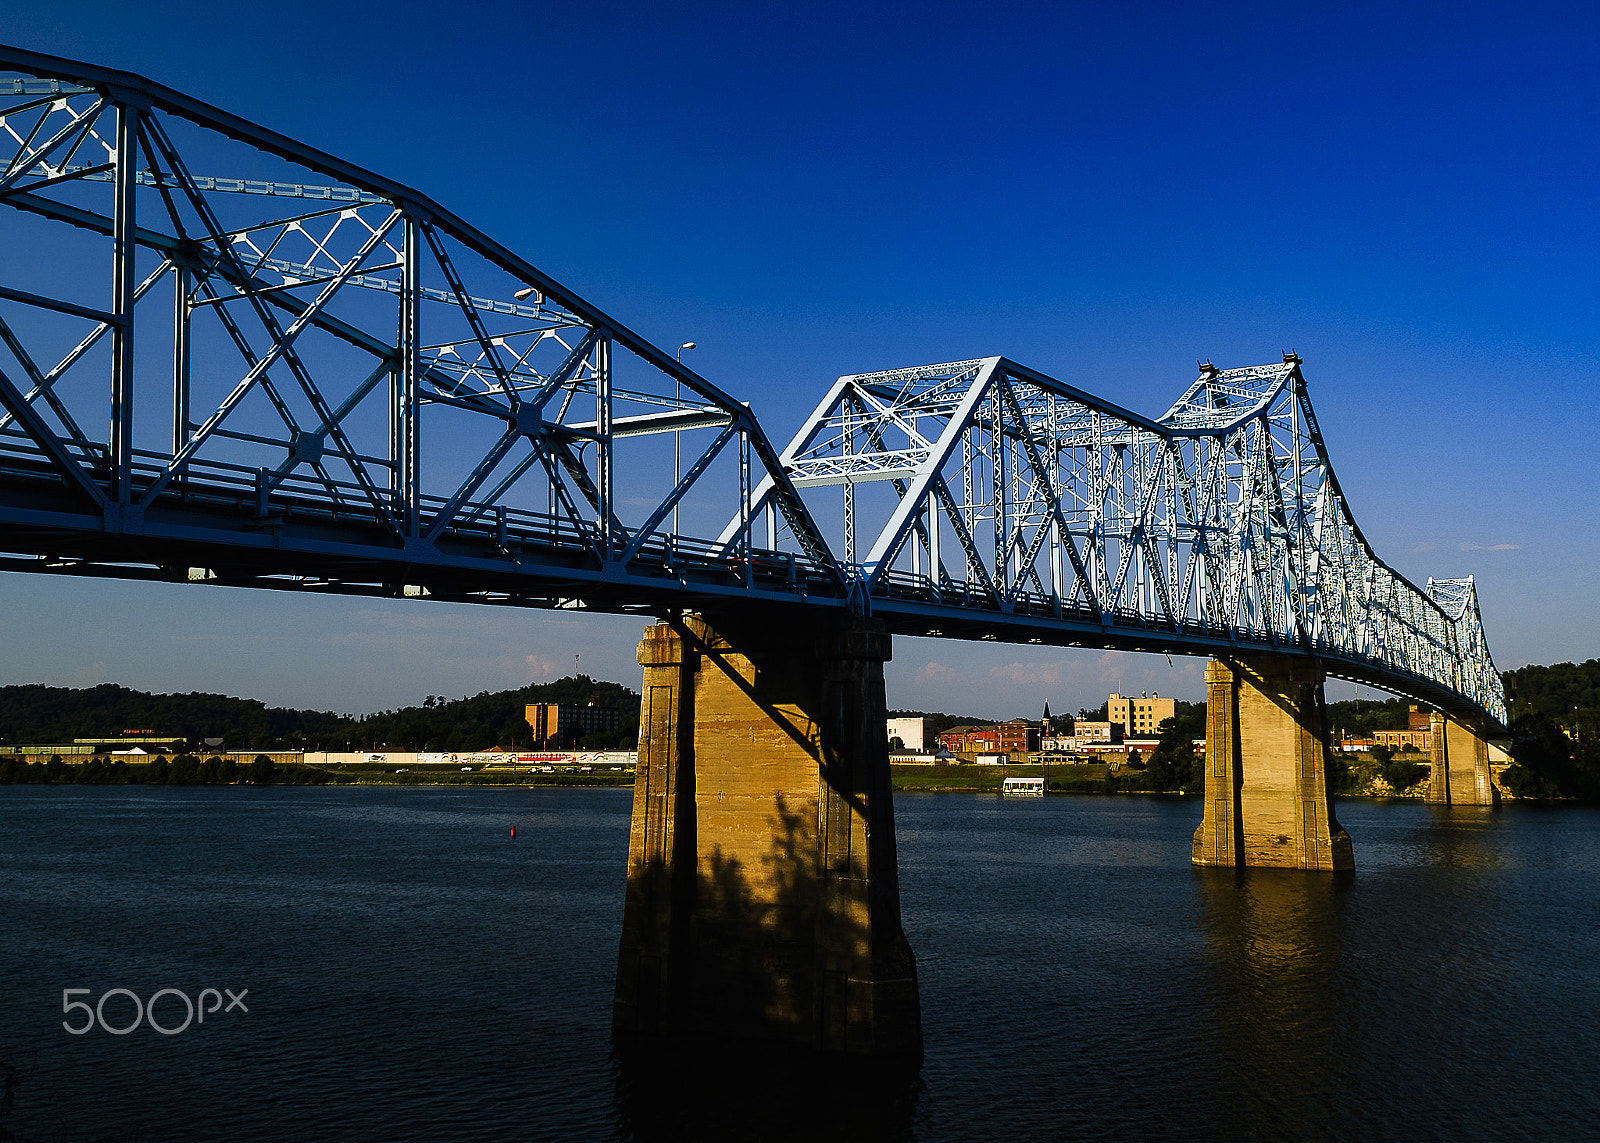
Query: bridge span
point(228, 358)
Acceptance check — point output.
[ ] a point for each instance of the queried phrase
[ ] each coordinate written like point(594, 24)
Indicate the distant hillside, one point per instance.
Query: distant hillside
point(1554, 691)
point(498, 719)
point(59, 714)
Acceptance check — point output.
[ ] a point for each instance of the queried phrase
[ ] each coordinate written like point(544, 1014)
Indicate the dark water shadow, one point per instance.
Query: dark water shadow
point(697, 1088)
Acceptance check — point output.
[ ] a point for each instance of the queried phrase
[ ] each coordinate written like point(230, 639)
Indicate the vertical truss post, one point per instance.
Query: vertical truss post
point(933, 545)
point(849, 485)
point(1057, 586)
point(744, 504)
point(1002, 517)
point(181, 349)
point(407, 390)
point(123, 251)
point(917, 526)
point(609, 541)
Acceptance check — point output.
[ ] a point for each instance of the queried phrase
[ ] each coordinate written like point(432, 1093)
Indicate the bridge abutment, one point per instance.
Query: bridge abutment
point(1266, 798)
point(763, 894)
point(1461, 775)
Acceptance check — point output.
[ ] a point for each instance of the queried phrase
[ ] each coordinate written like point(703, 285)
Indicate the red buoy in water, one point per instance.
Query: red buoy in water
point(513, 833)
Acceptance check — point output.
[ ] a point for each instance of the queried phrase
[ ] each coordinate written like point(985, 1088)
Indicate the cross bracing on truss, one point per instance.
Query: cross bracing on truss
point(1221, 522)
point(321, 380)
point(332, 367)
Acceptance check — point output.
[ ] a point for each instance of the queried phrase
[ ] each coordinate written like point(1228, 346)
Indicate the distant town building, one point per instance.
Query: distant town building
point(1019, 736)
point(1395, 739)
point(1085, 736)
point(970, 739)
point(1140, 716)
point(912, 733)
point(1016, 738)
point(1418, 732)
point(560, 726)
point(81, 749)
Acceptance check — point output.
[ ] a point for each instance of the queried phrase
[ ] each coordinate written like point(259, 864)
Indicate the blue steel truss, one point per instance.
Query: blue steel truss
point(1012, 506)
point(322, 380)
point(229, 358)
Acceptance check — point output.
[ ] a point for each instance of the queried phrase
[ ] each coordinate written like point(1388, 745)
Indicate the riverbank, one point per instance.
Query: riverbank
point(1077, 778)
point(264, 771)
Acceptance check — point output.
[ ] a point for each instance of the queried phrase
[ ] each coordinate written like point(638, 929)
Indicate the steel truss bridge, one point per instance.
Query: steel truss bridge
point(229, 358)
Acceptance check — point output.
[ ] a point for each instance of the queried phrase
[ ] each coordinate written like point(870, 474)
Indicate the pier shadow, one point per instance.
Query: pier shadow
point(706, 1089)
point(1276, 1036)
point(757, 978)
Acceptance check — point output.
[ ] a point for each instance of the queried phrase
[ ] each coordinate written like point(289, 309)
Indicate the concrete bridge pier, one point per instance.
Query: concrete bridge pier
point(763, 897)
point(1461, 775)
point(1267, 800)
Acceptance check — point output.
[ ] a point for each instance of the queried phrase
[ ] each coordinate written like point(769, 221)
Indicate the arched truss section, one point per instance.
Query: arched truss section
point(320, 379)
point(985, 486)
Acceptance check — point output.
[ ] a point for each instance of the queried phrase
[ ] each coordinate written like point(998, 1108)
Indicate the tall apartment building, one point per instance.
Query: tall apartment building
point(559, 726)
point(1140, 716)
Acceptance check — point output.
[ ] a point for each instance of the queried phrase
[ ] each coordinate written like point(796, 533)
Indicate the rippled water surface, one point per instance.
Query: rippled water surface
point(413, 973)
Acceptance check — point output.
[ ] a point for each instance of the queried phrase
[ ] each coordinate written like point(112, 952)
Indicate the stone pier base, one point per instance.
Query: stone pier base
point(763, 897)
point(1267, 801)
point(1461, 775)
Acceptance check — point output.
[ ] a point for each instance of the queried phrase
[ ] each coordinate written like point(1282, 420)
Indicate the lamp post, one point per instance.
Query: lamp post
point(677, 394)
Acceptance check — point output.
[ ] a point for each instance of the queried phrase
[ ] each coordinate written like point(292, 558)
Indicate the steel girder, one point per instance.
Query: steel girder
point(322, 380)
point(1061, 518)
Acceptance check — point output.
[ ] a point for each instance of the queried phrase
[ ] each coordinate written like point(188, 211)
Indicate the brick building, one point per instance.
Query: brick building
point(1018, 738)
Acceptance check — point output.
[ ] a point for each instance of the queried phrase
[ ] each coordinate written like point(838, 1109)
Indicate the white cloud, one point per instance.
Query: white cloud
point(1491, 547)
point(540, 668)
point(936, 673)
point(1030, 674)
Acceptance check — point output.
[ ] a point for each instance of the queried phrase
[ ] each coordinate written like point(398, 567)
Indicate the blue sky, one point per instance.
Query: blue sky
point(1105, 193)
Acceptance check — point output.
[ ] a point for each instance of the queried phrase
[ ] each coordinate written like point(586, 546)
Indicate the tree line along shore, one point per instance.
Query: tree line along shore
point(1554, 741)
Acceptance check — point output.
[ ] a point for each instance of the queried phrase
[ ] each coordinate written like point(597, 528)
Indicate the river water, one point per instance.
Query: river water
point(405, 970)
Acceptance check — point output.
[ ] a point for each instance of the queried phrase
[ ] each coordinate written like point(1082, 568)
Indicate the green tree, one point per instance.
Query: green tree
point(1173, 764)
point(155, 772)
point(1402, 774)
point(184, 771)
point(1548, 764)
point(262, 772)
point(1381, 754)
